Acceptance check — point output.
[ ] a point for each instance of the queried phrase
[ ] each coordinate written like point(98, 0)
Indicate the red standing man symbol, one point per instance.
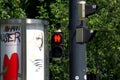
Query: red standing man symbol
point(57, 38)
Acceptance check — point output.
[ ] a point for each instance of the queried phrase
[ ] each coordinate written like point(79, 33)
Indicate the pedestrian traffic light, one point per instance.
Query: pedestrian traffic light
point(57, 38)
point(85, 10)
point(84, 35)
point(57, 44)
point(90, 9)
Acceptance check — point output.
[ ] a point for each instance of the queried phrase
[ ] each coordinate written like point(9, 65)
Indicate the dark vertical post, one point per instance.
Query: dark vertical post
point(77, 51)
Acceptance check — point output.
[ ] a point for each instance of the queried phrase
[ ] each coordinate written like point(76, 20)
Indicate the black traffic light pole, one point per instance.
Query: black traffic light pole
point(79, 35)
point(77, 51)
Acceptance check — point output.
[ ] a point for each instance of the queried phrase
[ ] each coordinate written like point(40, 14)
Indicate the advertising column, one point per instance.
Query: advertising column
point(10, 38)
point(22, 50)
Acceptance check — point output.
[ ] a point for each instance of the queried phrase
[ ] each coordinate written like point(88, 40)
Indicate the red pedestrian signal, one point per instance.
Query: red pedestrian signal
point(57, 37)
point(57, 45)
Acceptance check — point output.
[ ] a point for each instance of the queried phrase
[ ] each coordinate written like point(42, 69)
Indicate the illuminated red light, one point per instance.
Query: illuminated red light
point(57, 38)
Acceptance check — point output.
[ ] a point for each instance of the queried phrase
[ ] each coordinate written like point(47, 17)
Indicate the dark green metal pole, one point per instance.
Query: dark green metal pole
point(77, 51)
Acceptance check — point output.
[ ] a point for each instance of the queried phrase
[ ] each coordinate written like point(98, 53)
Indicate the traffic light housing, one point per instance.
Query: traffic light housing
point(85, 10)
point(84, 35)
point(90, 9)
point(57, 49)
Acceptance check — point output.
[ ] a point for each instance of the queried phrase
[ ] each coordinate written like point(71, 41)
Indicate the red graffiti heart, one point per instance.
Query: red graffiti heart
point(12, 67)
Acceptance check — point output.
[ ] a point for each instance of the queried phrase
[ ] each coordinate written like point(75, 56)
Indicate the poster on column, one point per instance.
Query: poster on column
point(35, 52)
point(10, 38)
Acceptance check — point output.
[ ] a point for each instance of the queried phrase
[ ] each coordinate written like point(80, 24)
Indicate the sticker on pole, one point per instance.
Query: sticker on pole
point(77, 78)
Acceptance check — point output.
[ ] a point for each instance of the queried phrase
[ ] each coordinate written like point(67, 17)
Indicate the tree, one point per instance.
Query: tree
point(11, 9)
point(103, 51)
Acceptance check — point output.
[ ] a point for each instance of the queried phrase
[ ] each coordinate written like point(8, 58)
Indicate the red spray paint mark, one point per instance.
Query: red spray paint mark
point(13, 66)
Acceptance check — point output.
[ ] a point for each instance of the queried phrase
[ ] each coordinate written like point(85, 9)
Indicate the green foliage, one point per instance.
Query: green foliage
point(103, 50)
point(11, 9)
point(59, 11)
point(54, 12)
point(59, 70)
